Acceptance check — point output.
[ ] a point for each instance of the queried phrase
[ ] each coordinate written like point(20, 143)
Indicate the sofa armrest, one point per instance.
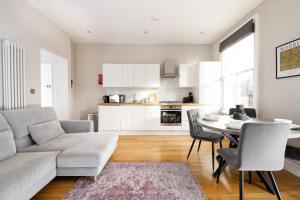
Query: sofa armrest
point(77, 126)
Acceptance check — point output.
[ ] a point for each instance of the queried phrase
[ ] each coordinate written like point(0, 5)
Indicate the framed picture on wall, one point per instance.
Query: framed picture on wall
point(288, 59)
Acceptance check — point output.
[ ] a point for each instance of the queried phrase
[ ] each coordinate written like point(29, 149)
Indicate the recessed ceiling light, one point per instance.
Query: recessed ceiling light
point(89, 32)
point(202, 32)
point(155, 18)
point(146, 32)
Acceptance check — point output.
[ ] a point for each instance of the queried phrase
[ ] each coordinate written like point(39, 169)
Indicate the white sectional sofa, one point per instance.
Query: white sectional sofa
point(35, 147)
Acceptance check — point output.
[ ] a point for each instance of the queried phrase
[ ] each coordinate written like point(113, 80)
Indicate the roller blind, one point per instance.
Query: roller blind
point(238, 35)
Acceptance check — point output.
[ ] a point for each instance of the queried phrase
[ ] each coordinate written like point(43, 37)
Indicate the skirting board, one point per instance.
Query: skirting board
point(150, 132)
point(292, 166)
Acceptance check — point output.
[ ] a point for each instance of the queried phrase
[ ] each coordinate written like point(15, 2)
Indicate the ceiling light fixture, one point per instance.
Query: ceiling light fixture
point(155, 18)
point(89, 32)
point(146, 32)
point(202, 32)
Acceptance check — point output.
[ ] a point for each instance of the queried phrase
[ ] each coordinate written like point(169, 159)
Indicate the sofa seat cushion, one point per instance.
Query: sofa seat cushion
point(7, 144)
point(21, 172)
point(45, 131)
point(80, 149)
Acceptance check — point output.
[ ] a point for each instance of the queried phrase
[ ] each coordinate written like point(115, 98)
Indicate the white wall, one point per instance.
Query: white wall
point(278, 23)
point(22, 23)
point(90, 57)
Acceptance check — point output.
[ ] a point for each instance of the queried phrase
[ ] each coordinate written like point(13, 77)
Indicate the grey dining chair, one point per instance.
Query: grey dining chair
point(261, 148)
point(198, 133)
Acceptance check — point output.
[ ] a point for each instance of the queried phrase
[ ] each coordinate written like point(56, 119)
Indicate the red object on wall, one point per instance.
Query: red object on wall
point(100, 79)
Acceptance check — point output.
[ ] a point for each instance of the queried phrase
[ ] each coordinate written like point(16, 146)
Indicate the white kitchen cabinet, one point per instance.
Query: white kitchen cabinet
point(187, 75)
point(139, 75)
point(112, 75)
point(138, 117)
point(126, 118)
point(152, 75)
point(127, 76)
point(109, 118)
point(152, 118)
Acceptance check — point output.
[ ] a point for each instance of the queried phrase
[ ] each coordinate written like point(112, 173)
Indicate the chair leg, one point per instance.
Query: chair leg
point(274, 185)
point(191, 149)
point(219, 170)
point(213, 155)
point(221, 146)
point(199, 145)
point(241, 185)
point(250, 177)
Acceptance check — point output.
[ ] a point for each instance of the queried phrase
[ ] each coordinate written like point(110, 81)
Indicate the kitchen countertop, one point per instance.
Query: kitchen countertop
point(147, 104)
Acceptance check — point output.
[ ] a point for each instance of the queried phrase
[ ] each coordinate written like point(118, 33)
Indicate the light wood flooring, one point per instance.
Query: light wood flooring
point(175, 149)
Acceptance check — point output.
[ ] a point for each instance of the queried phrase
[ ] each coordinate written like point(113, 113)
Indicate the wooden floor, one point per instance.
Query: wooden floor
point(175, 149)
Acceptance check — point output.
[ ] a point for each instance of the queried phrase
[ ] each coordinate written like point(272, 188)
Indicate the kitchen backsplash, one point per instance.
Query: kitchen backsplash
point(168, 91)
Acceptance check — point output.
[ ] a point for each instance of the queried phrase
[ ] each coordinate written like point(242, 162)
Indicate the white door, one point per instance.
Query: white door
point(46, 85)
point(109, 118)
point(152, 75)
point(139, 75)
point(138, 118)
point(127, 75)
point(112, 75)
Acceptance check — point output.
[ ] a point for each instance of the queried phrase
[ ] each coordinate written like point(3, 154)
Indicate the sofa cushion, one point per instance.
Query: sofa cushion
point(20, 173)
point(7, 144)
point(19, 120)
point(79, 149)
point(45, 131)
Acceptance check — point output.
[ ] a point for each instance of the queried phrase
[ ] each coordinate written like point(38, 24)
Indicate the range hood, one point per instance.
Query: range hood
point(169, 69)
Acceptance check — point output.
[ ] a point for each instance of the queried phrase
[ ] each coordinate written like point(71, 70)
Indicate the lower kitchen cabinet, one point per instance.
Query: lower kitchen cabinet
point(138, 118)
point(126, 118)
point(152, 118)
point(109, 118)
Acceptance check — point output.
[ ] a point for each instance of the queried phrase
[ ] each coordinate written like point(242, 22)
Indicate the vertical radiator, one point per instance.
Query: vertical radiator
point(13, 75)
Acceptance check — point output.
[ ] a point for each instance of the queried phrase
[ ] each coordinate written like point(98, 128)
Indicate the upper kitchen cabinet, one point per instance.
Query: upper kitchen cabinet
point(112, 75)
point(187, 75)
point(128, 75)
point(131, 75)
point(139, 77)
point(152, 75)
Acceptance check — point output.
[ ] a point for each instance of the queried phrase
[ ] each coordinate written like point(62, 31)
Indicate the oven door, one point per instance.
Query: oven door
point(170, 117)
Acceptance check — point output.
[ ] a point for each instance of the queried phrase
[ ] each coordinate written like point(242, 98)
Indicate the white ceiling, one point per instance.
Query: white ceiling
point(125, 21)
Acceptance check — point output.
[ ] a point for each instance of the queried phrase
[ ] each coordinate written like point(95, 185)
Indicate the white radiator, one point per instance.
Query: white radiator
point(13, 75)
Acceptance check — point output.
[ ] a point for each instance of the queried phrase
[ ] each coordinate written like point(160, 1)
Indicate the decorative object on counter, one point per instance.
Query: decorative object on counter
point(189, 99)
point(152, 97)
point(287, 59)
point(122, 98)
point(105, 99)
point(240, 113)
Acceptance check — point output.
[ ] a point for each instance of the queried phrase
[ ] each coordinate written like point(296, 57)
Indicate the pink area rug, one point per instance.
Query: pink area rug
point(139, 181)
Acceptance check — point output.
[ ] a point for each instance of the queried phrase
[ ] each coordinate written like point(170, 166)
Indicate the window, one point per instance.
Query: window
point(238, 74)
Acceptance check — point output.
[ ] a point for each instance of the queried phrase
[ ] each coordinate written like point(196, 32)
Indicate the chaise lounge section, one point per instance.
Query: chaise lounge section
point(36, 147)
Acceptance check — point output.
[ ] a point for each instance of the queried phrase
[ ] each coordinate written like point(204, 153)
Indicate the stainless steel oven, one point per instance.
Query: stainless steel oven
point(170, 115)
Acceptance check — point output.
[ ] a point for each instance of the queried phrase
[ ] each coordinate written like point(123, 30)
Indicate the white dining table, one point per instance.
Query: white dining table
point(233, 136)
